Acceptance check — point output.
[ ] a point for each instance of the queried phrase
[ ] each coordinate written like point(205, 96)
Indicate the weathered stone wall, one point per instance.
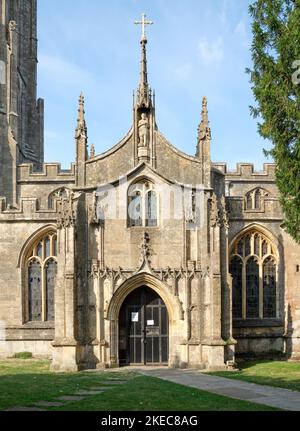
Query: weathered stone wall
point(111, 165)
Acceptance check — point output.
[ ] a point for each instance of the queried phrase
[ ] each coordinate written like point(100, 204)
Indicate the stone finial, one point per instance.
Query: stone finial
point(92, 151)
point(81, 129)
point(204, 131)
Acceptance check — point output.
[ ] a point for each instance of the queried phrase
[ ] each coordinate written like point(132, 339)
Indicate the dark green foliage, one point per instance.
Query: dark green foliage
point(275, 82)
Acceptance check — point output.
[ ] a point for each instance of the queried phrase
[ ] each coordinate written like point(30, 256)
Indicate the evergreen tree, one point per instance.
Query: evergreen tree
point(275, 82)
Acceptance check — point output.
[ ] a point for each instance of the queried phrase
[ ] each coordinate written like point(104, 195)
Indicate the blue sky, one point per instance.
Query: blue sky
point(196, 48)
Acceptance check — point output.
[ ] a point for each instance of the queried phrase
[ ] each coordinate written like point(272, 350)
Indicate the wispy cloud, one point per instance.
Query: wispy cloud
point(225, 12)
point(241, 32)
point(63, 71)
point(211, 52)
point(183, 71)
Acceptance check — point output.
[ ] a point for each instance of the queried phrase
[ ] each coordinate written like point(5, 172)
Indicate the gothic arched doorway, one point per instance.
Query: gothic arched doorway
point(143, 329)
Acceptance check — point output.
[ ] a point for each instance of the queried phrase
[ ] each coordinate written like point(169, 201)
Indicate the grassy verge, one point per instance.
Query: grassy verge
point(22, 383)
point(271, 373)
point(152, 394)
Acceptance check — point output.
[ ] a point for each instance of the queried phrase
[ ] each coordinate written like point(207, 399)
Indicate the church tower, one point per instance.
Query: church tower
point(21, 114)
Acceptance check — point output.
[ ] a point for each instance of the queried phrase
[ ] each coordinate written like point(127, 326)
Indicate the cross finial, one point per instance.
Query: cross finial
point(143, 23)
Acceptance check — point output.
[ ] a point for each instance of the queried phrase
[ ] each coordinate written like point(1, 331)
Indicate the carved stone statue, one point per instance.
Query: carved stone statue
point(144, 131)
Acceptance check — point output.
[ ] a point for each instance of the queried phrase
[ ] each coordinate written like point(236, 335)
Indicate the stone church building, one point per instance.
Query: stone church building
point(141, 255)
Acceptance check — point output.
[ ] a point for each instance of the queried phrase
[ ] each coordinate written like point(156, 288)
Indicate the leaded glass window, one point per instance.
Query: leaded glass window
point(35, 291)
point(269, 286)
point(253, 266)
point(252, 289)
point(135, 209)
point(236, 270)
point(254, 200)
point(41, 277)
point(142, 205)
point(50, 276)
point(151, 209)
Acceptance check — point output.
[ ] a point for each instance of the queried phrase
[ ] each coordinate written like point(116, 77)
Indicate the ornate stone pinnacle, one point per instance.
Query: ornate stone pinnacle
point(144, 93)
point(204, 132)
point(92, 151)
point(81, 129)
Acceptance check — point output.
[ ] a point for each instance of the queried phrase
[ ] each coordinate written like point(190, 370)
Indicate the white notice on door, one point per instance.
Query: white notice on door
point(134, 317)
point(150, 322)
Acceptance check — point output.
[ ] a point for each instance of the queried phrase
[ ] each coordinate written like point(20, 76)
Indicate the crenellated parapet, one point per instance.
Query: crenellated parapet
point(246, 171)
point(29, 209)
point(50, 172)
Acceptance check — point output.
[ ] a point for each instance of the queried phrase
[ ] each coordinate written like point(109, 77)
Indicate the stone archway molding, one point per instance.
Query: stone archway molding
point(173, 304)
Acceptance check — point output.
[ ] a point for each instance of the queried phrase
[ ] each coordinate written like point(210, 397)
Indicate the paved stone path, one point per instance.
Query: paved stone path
point(80, 395)
point(266, 395)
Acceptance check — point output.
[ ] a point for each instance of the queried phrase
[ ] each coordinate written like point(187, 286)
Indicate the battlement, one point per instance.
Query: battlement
point(28, 209)
point(247, 171)
point(51, 172)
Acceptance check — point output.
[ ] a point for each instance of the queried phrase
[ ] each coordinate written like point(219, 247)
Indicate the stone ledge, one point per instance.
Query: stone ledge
point(261, 323)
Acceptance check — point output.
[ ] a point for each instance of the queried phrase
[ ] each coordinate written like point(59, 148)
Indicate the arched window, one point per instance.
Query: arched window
point(142, 205)
point(35, 290)
point(254, 200)
point(135, 206)
point(253, 266)
point(61, 193)
point(236, 270)
point(41, 270)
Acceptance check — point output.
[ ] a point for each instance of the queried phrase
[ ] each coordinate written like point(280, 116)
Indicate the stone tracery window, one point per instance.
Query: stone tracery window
point(60, 193)
point(41, 270)
point(253, 266)
point(142, 205)
point(254, 200)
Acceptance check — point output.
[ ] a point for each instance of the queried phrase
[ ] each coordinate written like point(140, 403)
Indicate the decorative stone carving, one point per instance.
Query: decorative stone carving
point(145, 263)
point(12, 27)
point(62, 193)
point(144, 133)
point(96, 210)
point(66, 211)
point(214, 211)
point(224, 213)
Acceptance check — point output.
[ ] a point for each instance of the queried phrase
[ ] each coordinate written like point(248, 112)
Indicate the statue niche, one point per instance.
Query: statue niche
point(144, 131)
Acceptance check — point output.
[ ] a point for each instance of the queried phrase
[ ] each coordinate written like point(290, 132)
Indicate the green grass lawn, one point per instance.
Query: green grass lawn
point(23, 382)
point(280, 374)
